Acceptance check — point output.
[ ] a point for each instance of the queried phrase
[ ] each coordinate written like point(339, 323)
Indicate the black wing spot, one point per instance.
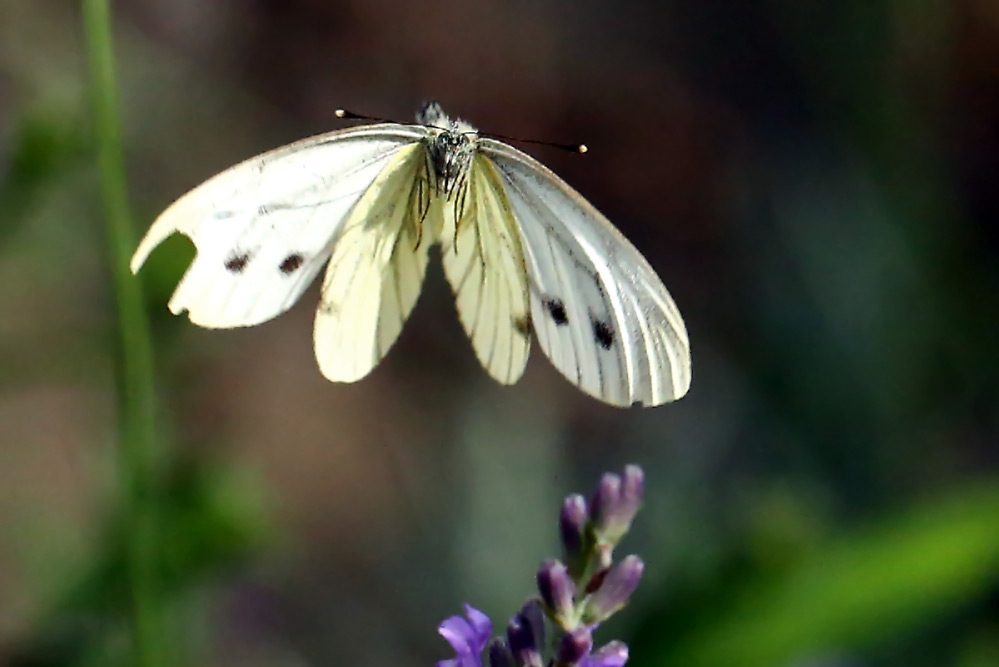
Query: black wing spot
point(557, 310)
point(603, 333)
point(523, 325)
point(292, 263)
point(237, 262)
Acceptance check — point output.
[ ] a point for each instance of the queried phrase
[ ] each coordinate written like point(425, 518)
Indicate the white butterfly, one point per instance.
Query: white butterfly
point(522, 250)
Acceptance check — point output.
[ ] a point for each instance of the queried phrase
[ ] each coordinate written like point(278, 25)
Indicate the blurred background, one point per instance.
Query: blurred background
point(816, 183)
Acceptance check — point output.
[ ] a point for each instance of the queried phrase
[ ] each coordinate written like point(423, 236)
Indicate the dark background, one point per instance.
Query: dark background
point(814, 181)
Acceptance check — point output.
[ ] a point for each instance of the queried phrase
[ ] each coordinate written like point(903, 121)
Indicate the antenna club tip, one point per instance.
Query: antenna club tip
point(582, 148)
point(340, 113)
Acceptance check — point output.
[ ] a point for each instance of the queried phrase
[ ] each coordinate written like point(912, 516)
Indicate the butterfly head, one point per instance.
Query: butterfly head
point(432, 115)
point(451, 148)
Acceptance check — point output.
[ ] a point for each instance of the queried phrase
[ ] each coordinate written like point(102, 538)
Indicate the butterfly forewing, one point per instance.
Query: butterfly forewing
point(376, 271)
point(484, 263)
point(601, 313)
point(264, 228)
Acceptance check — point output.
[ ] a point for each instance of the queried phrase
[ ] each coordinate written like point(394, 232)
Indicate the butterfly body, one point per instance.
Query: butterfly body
point(524, 254)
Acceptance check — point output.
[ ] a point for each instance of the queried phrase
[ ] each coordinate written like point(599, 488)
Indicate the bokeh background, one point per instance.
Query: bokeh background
point(816, 182)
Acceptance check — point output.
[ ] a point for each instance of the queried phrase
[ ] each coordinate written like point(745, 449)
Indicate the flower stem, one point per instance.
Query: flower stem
point(138, 447)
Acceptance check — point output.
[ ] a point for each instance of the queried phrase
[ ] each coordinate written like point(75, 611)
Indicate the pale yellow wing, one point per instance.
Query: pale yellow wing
point(484, 263)
point(375, 274)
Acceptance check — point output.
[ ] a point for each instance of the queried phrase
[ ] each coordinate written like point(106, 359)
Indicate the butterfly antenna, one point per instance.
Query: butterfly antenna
point(571, 148)
point(350, 115)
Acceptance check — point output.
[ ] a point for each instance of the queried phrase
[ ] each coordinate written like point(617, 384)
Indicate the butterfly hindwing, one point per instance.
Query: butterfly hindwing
point(484, 263)
point(264, 228)
point(601, 313)
point(376, 270)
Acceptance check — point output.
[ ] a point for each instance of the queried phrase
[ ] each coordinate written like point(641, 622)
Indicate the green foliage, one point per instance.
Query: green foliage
point(209, 520)
point(853, 592)
point(43, 144)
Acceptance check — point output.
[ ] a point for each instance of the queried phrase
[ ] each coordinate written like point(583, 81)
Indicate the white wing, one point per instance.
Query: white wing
point(484, 263)
point(376, 271)
point(601, 313)
point(264, 227)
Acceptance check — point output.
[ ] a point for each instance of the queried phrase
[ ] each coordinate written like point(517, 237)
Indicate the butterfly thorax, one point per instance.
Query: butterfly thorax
point(450, 150)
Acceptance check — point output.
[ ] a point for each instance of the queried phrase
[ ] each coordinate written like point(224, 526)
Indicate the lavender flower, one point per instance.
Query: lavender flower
point(574, 647)
point(467, 638)
point(500, 654)
point(576, 596)
point(572, 524)
point(615, 503)
point(615, 589)
point(558, 592)
point(604, 501)
point(525, 634)
point(614, 654)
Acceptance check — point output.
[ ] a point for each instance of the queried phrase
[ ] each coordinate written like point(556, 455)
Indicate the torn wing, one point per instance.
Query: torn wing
point(600, 312)
point(264, 228)
point(376, 271)
point(484, 263)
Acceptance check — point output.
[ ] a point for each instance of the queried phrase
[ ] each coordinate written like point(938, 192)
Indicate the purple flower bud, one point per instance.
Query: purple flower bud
point(535, 617)
point(467, 637)
point(575, 646)
point(615, 503)
point(557, 591)
point(499, 653)
point(604, 501)
point(614, 591)
point(633, 489)
point(572, 530)
point(614, 654)
point(525, 644)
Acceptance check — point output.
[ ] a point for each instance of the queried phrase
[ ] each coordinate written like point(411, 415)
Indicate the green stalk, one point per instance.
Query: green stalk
point(138, 448)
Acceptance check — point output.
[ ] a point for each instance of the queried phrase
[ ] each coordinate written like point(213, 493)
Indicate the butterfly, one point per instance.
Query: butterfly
point(524, 253)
